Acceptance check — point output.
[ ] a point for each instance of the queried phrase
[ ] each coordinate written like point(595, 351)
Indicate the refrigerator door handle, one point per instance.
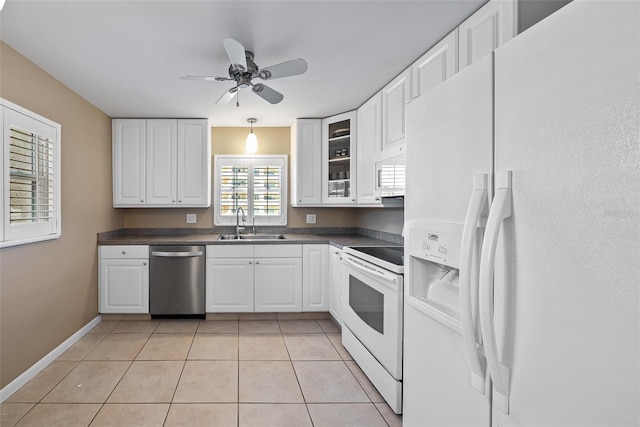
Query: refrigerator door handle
point(469, 284)
point(501, 209)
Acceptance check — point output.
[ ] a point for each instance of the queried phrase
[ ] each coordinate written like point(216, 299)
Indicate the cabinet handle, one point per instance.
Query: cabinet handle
point(144, 263)
point(124, 253)
point(250, 262)
point(179, 201)
point(257, 262)
point(141, 201)
point(173, 201)
point(300, 201)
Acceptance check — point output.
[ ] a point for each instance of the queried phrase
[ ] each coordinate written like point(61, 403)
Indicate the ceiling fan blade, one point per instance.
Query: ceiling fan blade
point(284, 69)
point(228, 96)
point(207, 78)
point(236, 53)
point(266, 93)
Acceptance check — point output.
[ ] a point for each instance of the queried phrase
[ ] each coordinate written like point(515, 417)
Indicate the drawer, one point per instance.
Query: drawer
point(124, 251)
point(229, 250)
point(278, 251)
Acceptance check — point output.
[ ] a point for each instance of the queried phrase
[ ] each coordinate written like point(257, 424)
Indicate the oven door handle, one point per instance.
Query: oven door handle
point(357, 266)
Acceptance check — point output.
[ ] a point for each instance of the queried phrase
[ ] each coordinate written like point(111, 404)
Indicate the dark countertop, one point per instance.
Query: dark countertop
point(337, 240)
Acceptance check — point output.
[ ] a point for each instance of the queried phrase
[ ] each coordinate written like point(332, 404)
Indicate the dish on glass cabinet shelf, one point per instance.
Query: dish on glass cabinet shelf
point(340, 132)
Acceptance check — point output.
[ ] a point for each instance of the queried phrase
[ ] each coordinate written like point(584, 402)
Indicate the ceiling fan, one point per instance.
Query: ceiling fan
point(243, 70)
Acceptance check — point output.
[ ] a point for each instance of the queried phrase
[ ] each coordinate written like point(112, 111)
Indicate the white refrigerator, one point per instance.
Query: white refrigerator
point(522, 233)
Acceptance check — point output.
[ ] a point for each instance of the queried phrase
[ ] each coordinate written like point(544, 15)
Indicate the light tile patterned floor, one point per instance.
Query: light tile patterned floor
point(261, 373)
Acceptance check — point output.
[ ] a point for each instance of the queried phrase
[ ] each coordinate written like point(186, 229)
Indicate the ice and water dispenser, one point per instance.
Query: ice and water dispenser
point(434, 269)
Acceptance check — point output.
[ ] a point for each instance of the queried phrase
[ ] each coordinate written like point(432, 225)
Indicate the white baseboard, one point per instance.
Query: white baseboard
point(27, 375)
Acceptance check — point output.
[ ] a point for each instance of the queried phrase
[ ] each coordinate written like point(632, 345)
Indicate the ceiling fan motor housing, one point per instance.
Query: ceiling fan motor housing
point(243, 77)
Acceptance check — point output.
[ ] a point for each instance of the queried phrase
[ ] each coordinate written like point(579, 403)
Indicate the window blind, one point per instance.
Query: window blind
point(31, 177)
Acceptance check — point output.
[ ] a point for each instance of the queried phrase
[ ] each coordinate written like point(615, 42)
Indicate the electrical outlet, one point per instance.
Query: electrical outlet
point(191, 218)
point(311, 218)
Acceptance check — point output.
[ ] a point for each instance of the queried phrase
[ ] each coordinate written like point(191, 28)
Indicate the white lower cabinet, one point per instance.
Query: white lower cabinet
point(315, 280)
point(229, 285)
point(335, 293)
point(260, 278)
point(123, 281)
point(277, 284)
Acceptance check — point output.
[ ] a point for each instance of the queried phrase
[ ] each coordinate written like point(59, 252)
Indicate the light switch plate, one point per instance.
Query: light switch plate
point(311, 218)
point(191, 218)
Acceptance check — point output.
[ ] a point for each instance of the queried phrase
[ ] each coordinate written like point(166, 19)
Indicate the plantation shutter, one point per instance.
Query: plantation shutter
point(31, 176)
point(256, 184)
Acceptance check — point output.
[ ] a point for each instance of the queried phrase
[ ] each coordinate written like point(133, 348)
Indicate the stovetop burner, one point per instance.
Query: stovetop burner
point(392, 254)
point(387, 257)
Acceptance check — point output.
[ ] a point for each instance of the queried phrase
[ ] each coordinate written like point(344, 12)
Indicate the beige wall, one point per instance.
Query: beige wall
point(49, 290)
point(226, 140)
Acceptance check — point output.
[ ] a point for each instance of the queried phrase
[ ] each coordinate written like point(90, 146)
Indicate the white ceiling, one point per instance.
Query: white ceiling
point(125, 56)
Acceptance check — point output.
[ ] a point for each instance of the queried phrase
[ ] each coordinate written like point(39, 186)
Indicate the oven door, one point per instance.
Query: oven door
point(372, 310)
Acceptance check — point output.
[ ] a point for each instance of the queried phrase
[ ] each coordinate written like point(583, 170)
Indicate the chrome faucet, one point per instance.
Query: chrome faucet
point(253, 227)
point(244, 219)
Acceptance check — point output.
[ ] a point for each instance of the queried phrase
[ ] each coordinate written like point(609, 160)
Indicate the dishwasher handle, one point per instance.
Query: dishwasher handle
point(176, 254)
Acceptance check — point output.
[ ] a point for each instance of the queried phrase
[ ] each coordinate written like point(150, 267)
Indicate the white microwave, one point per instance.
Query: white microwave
point(390, 177)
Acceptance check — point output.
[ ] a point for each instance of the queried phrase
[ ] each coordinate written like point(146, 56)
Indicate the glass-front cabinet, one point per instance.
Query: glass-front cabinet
point(338, 159)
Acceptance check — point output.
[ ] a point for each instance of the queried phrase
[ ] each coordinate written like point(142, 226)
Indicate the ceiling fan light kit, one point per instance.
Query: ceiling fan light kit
point(243, 70)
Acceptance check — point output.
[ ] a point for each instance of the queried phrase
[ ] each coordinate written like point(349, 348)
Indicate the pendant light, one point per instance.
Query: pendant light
point(251, 146)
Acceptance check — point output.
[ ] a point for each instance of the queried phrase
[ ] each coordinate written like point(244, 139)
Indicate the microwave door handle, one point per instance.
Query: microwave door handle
point(501, 209)
point(469, 284)
point(379, 178)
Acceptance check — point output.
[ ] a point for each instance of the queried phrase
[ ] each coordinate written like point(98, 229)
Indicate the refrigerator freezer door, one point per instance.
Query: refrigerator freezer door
point(567, 108)
point(449, 142)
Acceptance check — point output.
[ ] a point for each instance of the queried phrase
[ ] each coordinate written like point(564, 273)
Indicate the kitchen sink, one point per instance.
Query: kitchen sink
point(251, 237)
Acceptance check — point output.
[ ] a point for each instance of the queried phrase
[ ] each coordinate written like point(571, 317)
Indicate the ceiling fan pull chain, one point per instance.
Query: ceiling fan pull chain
point(238, 99)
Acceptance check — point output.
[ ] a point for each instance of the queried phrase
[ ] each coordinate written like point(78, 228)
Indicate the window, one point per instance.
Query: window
point(30, 158)
point(257, 184)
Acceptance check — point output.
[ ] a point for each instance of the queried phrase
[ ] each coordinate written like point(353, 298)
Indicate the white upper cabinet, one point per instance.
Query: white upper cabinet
point(338, 159)
point(162, 152)
point(490, 27)
point(161, 163)
point(395, 96)
point(369, 144)
point(129, 162)
point(194, 162)
point(306, 162)
point(435, 66)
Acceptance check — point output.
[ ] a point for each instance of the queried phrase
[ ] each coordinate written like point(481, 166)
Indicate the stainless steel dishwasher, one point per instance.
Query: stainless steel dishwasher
point(176, 280)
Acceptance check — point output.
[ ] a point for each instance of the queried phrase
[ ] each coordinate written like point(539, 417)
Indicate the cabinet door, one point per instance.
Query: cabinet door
point(229, 285)
point(124, 286)
point(194, 163)
point(435, 66)
point(338, 159)
point(306, 166)
point(490, 27)
point(278, 284)
point(129, 160)
point(162, 151)
point(369, 144)
point(335, 292)
point(394, 98)
point(315, 280)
